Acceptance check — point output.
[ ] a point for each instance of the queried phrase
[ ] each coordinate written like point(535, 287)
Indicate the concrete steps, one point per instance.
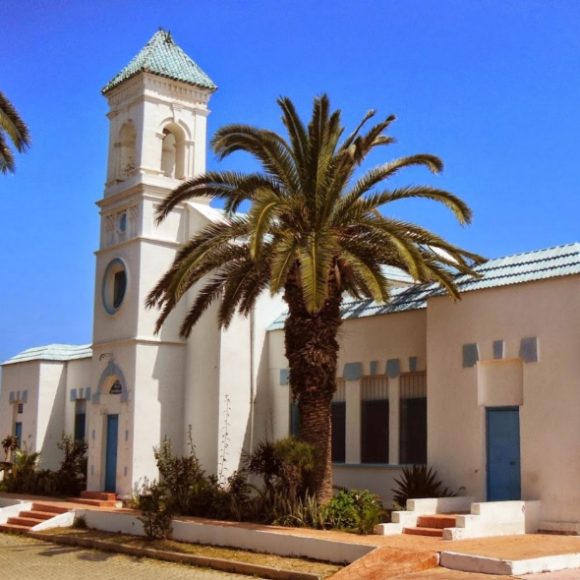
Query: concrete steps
point(96, 499)
point(431, 525)
point(420, 531)
point(27, 519)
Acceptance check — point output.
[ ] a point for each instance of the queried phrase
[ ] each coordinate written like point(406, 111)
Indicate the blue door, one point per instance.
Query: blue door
point(111, 453)
point(503, 454)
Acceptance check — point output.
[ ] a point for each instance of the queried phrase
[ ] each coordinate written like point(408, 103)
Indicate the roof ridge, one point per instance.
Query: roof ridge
point(569, 245)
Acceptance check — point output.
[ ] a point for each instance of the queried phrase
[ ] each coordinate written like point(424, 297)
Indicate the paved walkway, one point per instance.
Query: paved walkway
point(25, 558)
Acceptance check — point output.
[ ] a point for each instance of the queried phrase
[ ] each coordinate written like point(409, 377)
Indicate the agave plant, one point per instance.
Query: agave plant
point(416, 482)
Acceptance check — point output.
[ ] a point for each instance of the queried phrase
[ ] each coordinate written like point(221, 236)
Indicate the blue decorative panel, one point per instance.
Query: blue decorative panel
point(88, 393)
point(73, 395)
point(81, 393)
point(18, 396)
point(374, 367)
point(284, 376)
point(353, 371)
point(413, 364)
point(529, 349)
point(470, 355)
point(25, 396)
point(12, 396)
point(393, 368)
point(498, 349)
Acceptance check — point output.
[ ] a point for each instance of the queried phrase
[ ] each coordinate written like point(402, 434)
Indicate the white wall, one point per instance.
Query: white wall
point(20, 377)
point(550, 393)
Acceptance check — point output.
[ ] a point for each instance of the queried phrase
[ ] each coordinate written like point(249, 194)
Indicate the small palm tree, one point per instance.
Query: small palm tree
point(13, 126)
point(313, 233)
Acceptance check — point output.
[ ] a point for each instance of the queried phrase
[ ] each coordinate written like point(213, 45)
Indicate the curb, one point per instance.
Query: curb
point(487, 565)
point(220, 564)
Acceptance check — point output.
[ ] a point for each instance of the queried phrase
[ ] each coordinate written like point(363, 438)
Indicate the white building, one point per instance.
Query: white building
point(486, 389)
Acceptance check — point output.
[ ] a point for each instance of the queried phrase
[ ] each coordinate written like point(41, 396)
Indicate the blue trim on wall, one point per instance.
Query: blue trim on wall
point(393, 368)
point(374, 367)
point(353, 371)
point(73, 395)
point(498, 349)
point(284, 376)
point(529, 349)
point(413, 364)
point(470, 355)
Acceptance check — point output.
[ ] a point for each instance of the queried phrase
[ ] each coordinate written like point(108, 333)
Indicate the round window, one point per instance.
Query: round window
point(114, 285)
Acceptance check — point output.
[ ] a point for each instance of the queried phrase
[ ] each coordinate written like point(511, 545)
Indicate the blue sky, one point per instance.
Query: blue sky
point(493, 87)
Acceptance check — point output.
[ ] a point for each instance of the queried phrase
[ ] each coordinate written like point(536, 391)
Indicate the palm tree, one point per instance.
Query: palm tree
point(314, 233)
point(14, 127)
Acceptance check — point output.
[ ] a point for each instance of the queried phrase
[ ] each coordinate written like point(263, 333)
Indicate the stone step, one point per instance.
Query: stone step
point(20, 521)
point(14, 529)
point(418, 531)
point(100, 495)
point(439, 521)
point(48, 508)
point(94, 502)
point(37, 515)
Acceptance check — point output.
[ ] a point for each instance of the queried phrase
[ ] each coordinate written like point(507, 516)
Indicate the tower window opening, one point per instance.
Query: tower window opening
point(173, 153)
point(127, 141)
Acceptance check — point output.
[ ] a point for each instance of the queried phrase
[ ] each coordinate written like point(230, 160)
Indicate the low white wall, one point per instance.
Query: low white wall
point(11, 511)
point(65, 520)
point(230, 535)
point(379, 479)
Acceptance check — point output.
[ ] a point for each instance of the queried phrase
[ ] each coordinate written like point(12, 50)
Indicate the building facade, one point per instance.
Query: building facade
point(487, 389)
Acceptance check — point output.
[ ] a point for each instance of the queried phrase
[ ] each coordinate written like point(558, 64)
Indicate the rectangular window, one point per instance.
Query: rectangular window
point(18, 432)
point(294, 419)
point(20, 408)
point(374, 419)
point(338, 414)
point(80, 420)
point(413, 418)
point(119, 287)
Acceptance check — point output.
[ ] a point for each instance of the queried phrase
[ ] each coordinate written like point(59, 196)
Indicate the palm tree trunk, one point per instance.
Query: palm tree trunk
point(312, 352)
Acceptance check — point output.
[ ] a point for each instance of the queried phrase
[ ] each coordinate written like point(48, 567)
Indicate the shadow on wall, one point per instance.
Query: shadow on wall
point(49, 452)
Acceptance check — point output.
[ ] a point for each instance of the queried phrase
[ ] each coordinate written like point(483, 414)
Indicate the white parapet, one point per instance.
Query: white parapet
point(496, 518)
point(12, 510)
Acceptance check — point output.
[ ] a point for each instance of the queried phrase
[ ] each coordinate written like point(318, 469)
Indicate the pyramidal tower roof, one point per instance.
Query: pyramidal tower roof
point(161, 56)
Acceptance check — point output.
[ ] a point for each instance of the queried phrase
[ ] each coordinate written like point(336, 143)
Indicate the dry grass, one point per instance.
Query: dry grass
point(323, 569)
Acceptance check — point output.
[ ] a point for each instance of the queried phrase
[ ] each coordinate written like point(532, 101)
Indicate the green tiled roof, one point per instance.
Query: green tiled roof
point(507, 271)
point(54, 352)
point(161, 56)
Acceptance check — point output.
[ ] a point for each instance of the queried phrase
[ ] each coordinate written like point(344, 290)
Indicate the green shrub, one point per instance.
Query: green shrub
point(354, 510)
point(284, 467)
point(418, 481)
point(71, 476)
point(23, 475)
point(156, 513)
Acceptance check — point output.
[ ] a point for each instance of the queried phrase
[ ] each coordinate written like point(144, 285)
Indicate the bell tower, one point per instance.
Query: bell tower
point(158, 109)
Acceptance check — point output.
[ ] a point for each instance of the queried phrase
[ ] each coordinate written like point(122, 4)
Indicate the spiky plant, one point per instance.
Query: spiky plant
point(13, 127)
point(313, 233)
